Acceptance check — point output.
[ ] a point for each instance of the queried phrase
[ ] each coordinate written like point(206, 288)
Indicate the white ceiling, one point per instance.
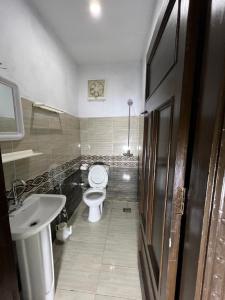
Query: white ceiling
point(118, 36)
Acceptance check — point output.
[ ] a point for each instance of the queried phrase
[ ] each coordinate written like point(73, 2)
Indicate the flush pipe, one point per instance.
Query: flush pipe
point(128, 153)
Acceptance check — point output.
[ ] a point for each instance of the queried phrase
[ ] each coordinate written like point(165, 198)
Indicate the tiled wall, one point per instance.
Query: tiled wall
point(108, 136)
point(57, 136)
point(67, 141)
point(122, 184)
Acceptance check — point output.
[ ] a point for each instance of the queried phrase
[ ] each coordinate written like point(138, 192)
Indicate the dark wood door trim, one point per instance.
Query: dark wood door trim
point(214, 204)
point(203, 164)
point(213, 200)
point(8, 275)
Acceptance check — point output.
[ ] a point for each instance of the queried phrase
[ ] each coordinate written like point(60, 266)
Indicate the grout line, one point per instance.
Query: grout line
point(125, 267)
point(76, 291)
point(107, 231)
point(114, 297)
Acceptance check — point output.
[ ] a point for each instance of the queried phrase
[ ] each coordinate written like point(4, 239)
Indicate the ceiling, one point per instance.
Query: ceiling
point(118, 36)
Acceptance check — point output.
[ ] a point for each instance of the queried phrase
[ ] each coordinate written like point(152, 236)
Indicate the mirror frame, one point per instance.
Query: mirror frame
point(19, 133)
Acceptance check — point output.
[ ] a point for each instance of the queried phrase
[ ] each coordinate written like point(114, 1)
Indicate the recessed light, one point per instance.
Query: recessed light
point(95, 9)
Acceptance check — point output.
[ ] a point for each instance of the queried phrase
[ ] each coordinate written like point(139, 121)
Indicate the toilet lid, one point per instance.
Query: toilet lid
point(98, 176)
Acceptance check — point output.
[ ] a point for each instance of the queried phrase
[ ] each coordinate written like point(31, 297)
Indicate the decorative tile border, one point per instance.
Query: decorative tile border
point(110, 158)
point(112, 161)
point(48, 180)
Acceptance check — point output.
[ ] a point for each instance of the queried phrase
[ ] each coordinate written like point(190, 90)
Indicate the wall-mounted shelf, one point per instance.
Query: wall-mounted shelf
point(13, 156)
point(49, 108)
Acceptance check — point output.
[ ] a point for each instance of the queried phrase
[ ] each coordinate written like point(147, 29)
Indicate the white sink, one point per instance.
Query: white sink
point(30, 228)
point(37, 212)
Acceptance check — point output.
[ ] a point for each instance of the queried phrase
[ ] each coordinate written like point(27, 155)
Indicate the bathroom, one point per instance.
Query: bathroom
point(109, 187)
point(78, 130)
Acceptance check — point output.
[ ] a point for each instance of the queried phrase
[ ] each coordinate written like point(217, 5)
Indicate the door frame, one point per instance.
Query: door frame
point(213, 202)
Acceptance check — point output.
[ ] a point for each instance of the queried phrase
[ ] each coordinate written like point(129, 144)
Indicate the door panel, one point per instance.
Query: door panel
point(142, 170)
point(146, 215)
point(167, 41)
point(169, 90)
point(164, 118)
point(147, 170)
point(163, 67)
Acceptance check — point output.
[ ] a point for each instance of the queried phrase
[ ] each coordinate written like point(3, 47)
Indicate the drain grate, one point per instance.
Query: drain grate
point(127, 210)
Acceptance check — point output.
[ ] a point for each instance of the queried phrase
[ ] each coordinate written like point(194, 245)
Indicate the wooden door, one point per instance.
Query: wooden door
point(203, 247)
point(171, 70)
point(8, 276)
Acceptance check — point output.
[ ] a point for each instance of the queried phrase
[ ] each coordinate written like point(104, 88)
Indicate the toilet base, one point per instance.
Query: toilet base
point(95, 213)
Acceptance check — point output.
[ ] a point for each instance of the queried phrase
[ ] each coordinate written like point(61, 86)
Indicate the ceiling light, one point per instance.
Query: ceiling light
point(95, 9)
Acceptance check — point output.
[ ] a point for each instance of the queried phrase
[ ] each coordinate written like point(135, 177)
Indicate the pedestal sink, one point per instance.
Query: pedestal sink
point(30, 229)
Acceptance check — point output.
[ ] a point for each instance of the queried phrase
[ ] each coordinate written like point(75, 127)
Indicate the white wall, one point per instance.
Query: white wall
point(123, 81)
point(34, 59)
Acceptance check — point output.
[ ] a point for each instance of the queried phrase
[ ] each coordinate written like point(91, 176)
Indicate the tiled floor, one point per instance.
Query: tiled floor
point(99, 262)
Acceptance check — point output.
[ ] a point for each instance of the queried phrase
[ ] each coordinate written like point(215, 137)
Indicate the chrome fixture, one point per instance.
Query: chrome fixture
point(15, 201)
point(78, 183)
point(128, 153)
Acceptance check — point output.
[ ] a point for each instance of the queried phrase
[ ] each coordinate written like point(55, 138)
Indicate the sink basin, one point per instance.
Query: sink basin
point(37, 212)
point(30, 228)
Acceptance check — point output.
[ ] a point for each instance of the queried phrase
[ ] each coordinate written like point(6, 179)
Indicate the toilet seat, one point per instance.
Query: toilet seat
point(94, 196)
point(98, 176)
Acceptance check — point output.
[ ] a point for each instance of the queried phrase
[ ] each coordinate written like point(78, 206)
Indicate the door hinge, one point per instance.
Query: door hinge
point(180, 198)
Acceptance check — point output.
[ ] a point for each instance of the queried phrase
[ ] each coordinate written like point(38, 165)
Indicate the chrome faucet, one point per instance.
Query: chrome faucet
point(15, 202)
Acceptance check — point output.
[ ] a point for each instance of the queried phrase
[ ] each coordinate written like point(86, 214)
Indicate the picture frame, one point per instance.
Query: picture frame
point(96, 90)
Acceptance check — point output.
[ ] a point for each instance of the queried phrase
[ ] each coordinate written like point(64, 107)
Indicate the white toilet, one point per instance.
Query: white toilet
point(94, 196)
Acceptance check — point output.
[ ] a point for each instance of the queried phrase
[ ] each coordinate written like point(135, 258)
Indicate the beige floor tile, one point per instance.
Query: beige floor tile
point(118, 205)
point(95, 260)
point(81, 276)
point(73, 295)
point(118, 213)
point(83, 220)
point(119, 255)
point(80, 251)
point(118, 237)
point(89, 248)
point(119, 282)
point(89, 233)
point(82, 217)
point(103, 297)
point(124, 226)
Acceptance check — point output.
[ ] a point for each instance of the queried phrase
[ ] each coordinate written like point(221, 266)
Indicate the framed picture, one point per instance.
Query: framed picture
point(96, 90)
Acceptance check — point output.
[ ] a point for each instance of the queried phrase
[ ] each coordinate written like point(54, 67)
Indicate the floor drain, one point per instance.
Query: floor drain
point(127, 210)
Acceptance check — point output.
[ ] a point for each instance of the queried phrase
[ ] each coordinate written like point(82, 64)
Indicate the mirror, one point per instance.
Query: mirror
point(11, 117)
